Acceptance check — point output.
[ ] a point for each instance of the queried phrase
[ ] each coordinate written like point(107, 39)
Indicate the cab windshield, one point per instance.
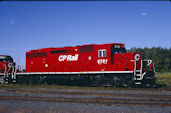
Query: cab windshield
point(6, 59)
point(119, 50)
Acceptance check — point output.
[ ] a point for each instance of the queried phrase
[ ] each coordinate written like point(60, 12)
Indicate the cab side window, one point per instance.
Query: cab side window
point(102, 53)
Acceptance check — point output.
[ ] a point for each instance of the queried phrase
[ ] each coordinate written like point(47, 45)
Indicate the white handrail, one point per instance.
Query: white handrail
point(12, 72)
point(135, 69)
point(5, 70)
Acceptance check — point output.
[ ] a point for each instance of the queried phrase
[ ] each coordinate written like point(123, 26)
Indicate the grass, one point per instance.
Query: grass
point(163, 78)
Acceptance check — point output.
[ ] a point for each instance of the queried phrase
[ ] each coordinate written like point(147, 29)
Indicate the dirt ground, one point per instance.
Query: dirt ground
point(72, 100)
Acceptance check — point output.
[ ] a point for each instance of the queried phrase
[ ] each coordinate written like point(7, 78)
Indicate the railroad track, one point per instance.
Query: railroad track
point(115, 97)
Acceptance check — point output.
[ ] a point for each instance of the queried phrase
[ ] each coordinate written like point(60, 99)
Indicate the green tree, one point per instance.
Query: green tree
point(160, 56)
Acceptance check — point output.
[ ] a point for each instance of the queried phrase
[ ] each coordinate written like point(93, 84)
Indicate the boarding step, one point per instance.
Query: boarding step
point(138, 70)
point(137, 83)
point(138, 77)
point(14, 81)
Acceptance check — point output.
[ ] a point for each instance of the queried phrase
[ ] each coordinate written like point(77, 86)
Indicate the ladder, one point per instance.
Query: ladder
point(138, 75)
point(6, 75)
point(13, 74)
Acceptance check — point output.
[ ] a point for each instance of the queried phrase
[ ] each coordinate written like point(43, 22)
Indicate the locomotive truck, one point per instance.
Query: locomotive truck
point(95, 64)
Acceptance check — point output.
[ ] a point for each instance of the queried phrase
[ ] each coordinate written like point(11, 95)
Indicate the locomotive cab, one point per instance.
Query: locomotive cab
point(115, 49)
point(7, 67)
point(5, 63)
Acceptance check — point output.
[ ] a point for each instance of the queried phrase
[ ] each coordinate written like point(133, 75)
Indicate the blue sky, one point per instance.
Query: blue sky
point(33, 25)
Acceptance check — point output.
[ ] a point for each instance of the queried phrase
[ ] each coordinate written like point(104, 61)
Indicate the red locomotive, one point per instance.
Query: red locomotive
point(98, 64)
point(7, 67)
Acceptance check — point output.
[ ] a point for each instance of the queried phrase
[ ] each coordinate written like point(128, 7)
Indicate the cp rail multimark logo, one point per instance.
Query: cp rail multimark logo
point(68, 57)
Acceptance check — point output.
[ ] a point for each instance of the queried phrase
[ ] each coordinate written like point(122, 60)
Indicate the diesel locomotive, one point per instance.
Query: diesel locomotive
point(7, 67)
point(96, 64)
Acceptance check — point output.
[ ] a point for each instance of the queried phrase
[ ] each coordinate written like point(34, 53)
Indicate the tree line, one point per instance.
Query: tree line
point(160, 56)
